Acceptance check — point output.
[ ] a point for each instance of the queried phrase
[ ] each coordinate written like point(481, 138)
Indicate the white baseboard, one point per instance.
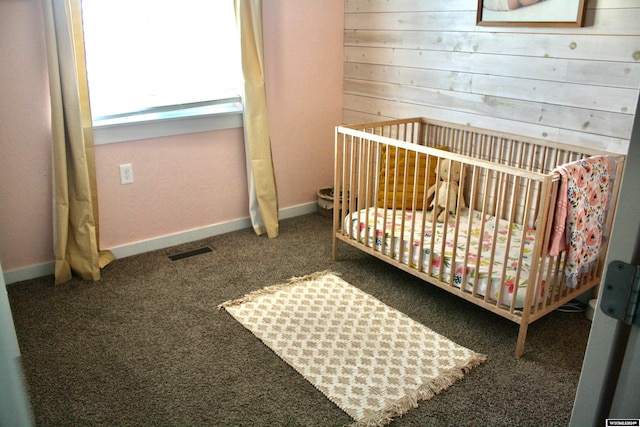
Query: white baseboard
point(31, 272)
point(170, 240)
point(163, 242)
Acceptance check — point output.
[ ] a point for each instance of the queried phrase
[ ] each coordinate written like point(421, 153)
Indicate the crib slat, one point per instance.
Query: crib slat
point(529, 195)
point(469, 225)
point(420, 266)
point(352, 189)
point(483, 209)
point(498, 207)
point(460, 197)
point(507, 260)
point(368, 185)
point(551, 289)
point(436, 202)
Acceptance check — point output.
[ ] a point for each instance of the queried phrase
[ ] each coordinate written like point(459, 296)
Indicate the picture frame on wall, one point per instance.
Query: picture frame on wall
point(532, 13)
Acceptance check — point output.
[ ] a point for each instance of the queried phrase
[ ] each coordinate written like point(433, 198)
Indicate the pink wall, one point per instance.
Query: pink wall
point(25, 155)
point(304, 71)
point(180, 183)
point(184, 182)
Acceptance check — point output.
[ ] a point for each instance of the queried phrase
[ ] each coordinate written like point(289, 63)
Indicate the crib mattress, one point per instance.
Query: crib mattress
point(377, 226)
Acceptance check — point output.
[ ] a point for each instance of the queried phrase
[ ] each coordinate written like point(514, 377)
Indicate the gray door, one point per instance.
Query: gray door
point(609, 384)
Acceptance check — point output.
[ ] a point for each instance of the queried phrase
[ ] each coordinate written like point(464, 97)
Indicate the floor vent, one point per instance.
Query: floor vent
point(190, 253)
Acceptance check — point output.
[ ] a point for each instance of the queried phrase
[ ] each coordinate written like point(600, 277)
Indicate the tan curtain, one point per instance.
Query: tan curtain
point(263, 197)
point(74, 181)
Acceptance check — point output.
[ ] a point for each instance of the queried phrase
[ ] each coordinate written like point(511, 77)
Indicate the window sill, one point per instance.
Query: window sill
point(169, 123)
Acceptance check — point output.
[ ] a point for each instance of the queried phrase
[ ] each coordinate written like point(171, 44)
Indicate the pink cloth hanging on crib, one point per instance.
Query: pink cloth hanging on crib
point(580, 214)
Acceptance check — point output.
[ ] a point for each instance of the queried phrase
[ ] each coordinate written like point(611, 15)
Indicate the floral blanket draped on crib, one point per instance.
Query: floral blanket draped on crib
point(579, 222)
point(377, 226)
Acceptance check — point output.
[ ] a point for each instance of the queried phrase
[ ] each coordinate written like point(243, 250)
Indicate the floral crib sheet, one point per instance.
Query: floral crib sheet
point(384, 222)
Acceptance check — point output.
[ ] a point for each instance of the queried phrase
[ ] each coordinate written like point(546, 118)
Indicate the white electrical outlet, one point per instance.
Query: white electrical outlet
point(126, 174)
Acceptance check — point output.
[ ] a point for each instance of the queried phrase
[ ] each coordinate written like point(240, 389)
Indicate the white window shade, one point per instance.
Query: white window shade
point(163, 58)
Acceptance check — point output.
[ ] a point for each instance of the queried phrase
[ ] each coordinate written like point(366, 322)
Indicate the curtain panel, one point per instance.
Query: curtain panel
point(263, 197)
point(76, 237)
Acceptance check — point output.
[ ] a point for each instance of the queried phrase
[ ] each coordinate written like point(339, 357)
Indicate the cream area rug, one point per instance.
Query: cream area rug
point(372, 361)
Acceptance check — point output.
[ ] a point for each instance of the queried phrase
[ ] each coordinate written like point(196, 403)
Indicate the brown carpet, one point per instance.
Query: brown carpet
point(147, 345)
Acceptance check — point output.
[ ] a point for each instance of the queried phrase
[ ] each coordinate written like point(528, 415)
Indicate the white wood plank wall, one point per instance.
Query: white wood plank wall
point(427, 58)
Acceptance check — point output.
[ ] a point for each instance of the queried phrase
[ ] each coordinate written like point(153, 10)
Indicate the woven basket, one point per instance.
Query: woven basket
point(325, 202)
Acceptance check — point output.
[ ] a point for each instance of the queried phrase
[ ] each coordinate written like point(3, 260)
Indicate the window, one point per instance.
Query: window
point(152, 65)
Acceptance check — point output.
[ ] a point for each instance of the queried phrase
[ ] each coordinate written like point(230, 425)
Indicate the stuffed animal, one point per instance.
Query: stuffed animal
point(450, 177)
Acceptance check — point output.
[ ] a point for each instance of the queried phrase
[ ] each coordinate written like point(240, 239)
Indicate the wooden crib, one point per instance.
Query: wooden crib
point(492, 248)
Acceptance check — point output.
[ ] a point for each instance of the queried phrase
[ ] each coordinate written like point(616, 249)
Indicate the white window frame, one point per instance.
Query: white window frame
point(226, 115)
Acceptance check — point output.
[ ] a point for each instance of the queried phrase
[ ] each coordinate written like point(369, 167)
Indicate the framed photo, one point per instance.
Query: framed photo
point(532, 13)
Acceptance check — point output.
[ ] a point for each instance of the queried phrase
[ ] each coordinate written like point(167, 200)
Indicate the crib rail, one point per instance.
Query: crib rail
point(387, 169)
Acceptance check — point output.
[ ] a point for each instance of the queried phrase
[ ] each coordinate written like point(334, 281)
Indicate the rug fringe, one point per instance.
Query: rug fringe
point(424, 392)
point(274, 288)
point(312, 276)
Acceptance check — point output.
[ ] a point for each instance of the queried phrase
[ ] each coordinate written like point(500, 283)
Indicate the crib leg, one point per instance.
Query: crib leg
point(522, 336)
